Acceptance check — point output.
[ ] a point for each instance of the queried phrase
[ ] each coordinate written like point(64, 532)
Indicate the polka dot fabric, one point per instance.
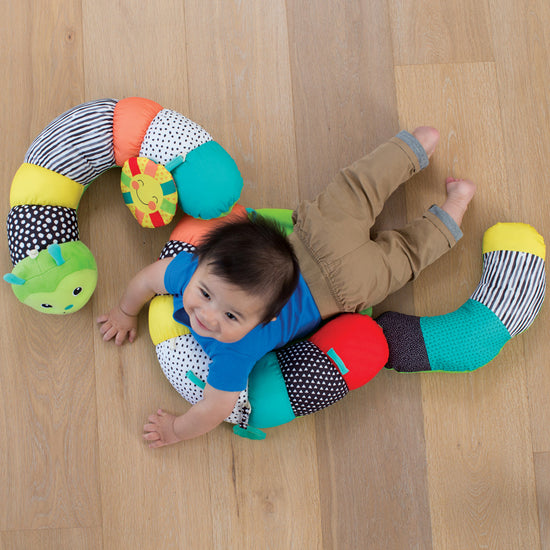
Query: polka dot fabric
point(173, 248)
point(183, 354)
point(171, 135)
point(312, 380)
point(35, 227)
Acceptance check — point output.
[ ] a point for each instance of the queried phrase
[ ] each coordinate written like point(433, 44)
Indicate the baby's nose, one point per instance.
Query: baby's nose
point(209, 316)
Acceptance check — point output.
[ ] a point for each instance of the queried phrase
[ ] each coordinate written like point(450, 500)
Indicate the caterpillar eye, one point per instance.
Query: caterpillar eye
point(46, 306)
point(77, 291)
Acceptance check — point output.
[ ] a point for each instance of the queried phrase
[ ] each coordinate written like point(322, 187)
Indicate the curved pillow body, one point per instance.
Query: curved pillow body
point(351, 349)
point(505, 303)
point(297, 380)
point(70, 153)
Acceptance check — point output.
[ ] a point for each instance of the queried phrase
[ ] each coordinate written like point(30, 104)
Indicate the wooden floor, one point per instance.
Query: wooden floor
point(294, 90)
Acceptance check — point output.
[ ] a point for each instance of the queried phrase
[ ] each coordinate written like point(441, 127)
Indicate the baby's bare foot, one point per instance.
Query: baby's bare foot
point(459, 195)
point(428, 138)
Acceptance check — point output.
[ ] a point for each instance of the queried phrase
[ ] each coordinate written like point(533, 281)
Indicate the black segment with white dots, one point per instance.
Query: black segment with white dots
point(35, 227)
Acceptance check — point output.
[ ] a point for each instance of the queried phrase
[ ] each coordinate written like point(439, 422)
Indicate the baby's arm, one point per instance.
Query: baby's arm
point(122, 320)
point(164, 428)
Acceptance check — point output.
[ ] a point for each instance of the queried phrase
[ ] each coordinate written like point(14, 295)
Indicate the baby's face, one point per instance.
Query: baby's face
point(218, 309)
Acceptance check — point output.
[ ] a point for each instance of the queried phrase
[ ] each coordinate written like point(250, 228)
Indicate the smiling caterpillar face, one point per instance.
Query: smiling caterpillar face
point(58, 280)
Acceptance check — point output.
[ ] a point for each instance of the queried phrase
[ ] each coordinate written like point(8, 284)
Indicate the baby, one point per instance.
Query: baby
point(247, 289)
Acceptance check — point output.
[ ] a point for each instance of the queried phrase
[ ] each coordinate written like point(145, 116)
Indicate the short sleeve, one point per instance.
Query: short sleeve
point(229, 371)
point(178, 273)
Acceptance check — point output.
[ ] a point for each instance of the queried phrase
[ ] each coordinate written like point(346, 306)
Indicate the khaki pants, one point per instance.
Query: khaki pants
point(345, 268)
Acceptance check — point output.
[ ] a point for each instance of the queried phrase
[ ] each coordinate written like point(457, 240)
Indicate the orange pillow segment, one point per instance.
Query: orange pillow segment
point(132, 118)
point(192, 230)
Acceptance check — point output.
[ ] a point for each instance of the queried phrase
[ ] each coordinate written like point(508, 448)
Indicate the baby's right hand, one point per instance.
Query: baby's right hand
point(118, 325)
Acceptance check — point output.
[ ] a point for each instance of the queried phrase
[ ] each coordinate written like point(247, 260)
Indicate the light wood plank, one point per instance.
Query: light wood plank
point(447, 96)
point(151, 390)
point(134, 48)
point(367, 462)
point(150, 499)
point(523, 81)
point(444, 31)
point(49, 452)
point(372, 464)
point(266, 494)
point(239, 88)
point(340, 115)
point(52, 539)
point(474, 424)
point(542, 474)
point(294, 92)
point(480, 465)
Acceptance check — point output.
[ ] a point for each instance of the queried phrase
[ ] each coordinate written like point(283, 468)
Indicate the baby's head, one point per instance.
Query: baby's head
point(247, 272)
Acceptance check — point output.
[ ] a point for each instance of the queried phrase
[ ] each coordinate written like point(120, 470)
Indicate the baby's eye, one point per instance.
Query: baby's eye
point(230, 316)
point(204, 293)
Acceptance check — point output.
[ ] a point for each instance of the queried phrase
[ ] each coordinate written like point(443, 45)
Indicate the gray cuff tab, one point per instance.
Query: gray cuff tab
point(414, 144)
point(451, 225)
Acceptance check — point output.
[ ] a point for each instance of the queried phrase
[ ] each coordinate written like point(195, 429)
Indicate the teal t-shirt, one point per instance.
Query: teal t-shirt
point(232, 363)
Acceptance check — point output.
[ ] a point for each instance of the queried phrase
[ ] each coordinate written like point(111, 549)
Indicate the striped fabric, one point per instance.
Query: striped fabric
point(79, 143)
point(512, 286)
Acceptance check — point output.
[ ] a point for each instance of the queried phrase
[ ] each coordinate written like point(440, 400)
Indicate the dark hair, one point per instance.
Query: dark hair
point(255, 256)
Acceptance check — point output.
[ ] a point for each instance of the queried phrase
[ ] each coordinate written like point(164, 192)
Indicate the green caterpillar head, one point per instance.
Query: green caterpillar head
point(58, 280)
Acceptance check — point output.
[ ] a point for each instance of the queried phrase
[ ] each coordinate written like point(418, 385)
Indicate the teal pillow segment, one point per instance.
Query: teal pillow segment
point(208, 181)
point(267, 393)
point(465, 339)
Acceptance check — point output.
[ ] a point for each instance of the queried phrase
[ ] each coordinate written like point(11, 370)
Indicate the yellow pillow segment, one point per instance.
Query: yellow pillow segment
point(36, 185)
point(161, 322)
point(520, 237)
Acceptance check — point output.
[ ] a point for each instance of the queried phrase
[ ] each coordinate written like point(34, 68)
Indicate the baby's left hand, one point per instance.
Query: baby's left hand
point(160, 430)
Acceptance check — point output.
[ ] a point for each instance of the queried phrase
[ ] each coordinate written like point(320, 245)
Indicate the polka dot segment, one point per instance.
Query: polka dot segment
point(35, 227)
point(173, 248)
point(312, 380)
point(170, 135)
point(184, 362)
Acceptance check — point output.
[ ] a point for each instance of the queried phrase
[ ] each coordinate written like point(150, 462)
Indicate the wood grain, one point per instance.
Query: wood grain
point(144, 494)
point(542, 473)
point(243, 93)
point(52, 539)
point(473, 423)
point(135, 48)
point(340, 116)
point(525, 109)
point(294, 91)
point(444, 31)
point(49, 459)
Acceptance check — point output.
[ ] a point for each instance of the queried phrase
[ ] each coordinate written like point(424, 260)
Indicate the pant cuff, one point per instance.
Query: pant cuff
point(417, 149)
point(450, 224)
